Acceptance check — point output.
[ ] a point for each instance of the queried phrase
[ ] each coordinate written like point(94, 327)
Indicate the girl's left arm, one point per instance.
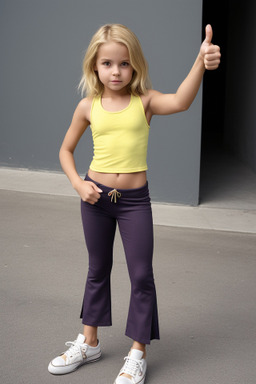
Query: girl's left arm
point(208, 58)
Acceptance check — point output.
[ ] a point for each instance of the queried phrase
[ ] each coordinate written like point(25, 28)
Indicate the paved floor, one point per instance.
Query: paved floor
point(206, 294)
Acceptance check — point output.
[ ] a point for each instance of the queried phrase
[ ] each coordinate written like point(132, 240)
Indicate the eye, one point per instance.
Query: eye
point(106, 63)
point(125, 64)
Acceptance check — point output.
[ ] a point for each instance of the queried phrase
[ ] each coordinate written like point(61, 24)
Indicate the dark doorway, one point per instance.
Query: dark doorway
point(225, 180)
point(215, 12)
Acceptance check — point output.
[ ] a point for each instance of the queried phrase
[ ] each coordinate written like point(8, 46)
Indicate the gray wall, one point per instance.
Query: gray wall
point(240, 114)
point(42, 45)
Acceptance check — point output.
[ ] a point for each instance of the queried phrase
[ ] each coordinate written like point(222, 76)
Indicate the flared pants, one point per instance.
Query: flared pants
point(131, 210)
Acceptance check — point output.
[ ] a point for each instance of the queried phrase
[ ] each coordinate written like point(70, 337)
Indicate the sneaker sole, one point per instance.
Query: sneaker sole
point(139, 382)
point(68, 369)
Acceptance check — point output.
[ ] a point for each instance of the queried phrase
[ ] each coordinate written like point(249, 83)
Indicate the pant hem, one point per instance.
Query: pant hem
point(141, 340)
point(96, 325)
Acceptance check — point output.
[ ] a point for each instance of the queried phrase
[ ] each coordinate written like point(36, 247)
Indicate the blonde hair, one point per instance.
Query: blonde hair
point(90, 83)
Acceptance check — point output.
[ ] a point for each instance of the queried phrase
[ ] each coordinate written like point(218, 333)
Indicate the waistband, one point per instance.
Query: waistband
point(131, 192)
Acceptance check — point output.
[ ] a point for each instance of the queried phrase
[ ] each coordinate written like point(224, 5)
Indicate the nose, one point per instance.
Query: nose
point(116, 70)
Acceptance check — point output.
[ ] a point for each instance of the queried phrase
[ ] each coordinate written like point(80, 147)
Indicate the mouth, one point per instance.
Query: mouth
point(116, 81)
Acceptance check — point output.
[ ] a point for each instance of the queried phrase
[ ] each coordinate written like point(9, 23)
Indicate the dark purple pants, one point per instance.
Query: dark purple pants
point(132, 212)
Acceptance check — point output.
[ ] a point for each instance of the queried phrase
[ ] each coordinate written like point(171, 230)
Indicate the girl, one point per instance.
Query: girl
point(118, 107)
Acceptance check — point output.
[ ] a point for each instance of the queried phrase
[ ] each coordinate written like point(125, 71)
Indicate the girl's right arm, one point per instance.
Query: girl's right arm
point(87, 190)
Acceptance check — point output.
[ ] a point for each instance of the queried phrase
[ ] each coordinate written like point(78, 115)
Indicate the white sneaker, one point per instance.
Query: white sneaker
point(135, 366)
point(78, 354)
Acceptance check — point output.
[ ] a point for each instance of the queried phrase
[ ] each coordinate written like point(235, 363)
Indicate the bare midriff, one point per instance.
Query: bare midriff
point(119, 180)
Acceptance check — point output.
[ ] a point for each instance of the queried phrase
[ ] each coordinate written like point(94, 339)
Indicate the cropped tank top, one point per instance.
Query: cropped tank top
point(120, 139)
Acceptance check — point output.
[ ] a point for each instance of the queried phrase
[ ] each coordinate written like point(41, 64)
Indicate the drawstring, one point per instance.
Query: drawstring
point(114, 194)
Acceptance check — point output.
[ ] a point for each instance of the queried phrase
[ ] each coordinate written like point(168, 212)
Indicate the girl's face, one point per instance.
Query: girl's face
point(113, 66)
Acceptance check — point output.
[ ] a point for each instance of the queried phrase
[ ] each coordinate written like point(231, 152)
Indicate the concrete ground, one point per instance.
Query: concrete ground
point(205, 281)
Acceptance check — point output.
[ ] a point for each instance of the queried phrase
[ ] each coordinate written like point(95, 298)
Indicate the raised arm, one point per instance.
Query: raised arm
point(208, 58)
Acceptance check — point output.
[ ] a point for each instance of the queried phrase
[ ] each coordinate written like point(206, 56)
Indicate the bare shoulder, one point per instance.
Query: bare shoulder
point(83, 109)
point(146, 99)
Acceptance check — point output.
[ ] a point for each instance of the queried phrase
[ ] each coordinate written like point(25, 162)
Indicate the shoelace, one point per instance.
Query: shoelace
point(132, 366)
point(74, 348)
point(114, 194)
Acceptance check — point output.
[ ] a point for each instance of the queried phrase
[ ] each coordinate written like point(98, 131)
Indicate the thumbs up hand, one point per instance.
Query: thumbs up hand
point(210, 53)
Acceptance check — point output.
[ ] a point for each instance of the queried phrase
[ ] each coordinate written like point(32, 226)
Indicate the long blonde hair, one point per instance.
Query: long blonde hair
point(90, 83)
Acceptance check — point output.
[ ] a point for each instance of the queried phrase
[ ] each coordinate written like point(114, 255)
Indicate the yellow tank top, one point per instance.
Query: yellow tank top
point(120, 139)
